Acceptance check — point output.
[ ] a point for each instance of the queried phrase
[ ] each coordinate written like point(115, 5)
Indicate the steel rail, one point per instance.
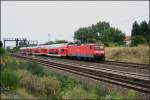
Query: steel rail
point(117, 63)
point(128, 64)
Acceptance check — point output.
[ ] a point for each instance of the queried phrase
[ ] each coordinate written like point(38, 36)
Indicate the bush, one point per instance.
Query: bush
point(65, 81)
point(2, 51)
point(12, 64)
point(52, 87)
point(136, 40)
point(43, 87)
point(26, 78)
point(131, 95)
point(23, 64)
point(9, 62)
point(9, 79)
point(36, 69)
point(78, 93)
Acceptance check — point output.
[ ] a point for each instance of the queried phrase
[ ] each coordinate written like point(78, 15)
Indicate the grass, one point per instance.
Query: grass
point(24, 94)
point(35, 83)
point(138, 54)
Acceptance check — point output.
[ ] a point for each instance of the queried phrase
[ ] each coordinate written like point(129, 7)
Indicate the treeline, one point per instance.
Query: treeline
point(140, 33)
point(56, 42)
point(100, 32)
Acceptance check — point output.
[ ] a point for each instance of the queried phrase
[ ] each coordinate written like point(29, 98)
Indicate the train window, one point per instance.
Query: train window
point(62, 49)
point(90, 47)
point(100, 47)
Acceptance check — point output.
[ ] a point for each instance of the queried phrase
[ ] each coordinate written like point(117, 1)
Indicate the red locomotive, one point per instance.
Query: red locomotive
point(83, 51)
point(87, 51)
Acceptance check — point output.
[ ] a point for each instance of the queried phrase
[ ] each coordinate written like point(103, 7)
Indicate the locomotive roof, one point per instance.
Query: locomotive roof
point(57, 45)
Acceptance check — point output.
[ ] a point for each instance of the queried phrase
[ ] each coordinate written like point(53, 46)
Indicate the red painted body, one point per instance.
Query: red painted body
point(86, 51)
point(44, 51)
point(90, 51)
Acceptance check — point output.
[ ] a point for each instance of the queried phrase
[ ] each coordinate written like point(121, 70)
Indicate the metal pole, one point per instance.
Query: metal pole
point(4, 43)
point(17, 43)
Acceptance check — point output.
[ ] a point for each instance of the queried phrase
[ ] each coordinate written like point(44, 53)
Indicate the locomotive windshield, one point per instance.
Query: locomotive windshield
point(99, 47)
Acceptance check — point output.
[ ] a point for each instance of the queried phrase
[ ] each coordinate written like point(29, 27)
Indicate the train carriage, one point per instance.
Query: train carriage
point(44, 50)
point(59, 50)
point(23, 50)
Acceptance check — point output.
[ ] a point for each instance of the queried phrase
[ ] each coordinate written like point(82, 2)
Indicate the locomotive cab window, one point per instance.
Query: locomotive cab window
point(99, 47)
point(62, 50)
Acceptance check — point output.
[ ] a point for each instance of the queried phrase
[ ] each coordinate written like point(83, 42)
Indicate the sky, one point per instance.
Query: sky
point(58, 20)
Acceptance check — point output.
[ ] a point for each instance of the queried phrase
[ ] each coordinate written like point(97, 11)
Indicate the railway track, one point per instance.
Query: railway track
point(125, 64)
point(139, 82)
point(115, 66)
point(117, 63)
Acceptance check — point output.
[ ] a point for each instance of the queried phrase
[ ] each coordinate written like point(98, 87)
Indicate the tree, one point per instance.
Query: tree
point(92, 40)
point(8, 48)
point(102, 26)
point(61, 41)
point(144, 30)
point(135, 29)
point(50, 42)
point(81, 34)
point(140, 33)
point(114, 36)
point(2, 51)
point(101, 31)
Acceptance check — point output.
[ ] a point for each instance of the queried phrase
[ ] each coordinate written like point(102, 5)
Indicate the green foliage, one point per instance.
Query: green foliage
point(50, 42)
point(144, 30)
point(113, 35)
point(56, 42)
point(61, 41)
point(15, 49)
point(99, 32)
point(136, 40)
point(75, 89)
point(131, 95)
point(70, 82)
point(52, 87)
point(92, 40)
point(78, 43)
point(8, 49)
point(78, 93)
point(8, 62)
point(135, 29)
point(2, 51)
point(9, 79)
point(43, 87)
point(12, 64)
point(140, 33)
point(34, 68)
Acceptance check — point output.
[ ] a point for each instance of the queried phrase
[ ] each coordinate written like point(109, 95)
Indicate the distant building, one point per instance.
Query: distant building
point(128, 40)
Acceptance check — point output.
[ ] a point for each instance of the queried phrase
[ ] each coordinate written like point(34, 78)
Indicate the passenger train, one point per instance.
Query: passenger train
point(83, 51)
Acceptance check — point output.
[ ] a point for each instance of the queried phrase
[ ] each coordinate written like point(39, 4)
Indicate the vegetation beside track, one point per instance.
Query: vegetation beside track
point(24, 80)
point(139, 54)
